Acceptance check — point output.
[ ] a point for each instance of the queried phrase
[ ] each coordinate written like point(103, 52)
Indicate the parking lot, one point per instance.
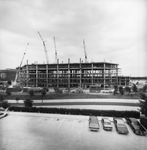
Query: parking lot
point(56, 132)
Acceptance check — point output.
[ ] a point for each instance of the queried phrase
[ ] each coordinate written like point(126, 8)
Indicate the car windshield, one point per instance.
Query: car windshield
point(135, 123)
point(121, 125)
point(107, 123)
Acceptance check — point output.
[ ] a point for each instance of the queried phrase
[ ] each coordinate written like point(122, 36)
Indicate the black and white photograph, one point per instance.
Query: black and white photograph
point(73, 74)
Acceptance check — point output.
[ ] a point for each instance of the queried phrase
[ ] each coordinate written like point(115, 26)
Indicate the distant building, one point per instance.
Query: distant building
point(7, 75)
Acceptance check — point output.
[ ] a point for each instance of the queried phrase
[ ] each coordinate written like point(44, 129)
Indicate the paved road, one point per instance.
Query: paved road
point(118, 102)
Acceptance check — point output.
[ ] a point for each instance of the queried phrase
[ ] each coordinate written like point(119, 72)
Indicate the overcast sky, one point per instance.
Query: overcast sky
point(114, 31)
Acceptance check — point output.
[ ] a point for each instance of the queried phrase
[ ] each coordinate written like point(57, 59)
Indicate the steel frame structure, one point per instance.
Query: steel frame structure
point(70, 75)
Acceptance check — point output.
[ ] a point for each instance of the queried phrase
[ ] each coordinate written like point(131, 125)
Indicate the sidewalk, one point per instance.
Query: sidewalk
point(80, 100)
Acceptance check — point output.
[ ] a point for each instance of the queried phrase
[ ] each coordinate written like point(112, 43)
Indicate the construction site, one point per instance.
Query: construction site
point(69, 75)
point(82, 74)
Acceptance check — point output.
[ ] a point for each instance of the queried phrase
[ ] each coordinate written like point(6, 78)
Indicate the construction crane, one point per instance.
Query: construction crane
point(24, 54)
point(45, 50)
point(55, 50)
point(85, 51)
point(17, 77)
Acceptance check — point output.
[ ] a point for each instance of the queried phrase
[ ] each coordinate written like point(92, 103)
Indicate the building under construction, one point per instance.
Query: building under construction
point(69, 75)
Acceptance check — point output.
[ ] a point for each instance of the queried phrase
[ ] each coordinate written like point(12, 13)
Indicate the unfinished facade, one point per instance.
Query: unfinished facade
point(69, 75)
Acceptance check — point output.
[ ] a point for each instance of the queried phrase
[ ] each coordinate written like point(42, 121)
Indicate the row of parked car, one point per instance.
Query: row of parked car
point(120, 125)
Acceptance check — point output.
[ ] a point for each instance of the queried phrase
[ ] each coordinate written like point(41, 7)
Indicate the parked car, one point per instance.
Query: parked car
point(93, 123)
point(136, 126)
point(106, 124)
point(120, 126)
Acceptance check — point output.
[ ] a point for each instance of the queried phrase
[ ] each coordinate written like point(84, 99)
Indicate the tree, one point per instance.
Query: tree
point(127, 89)
point(121, 90)
point(43, 93)
point(115, 89)
point(1, 98)
point(9, 82)
point(28, 103)
point(5, 104)
point(134, 88)
point(17, 99)
point(144, 88)
point(31, 92)
point(143, 103)
point(8, 93)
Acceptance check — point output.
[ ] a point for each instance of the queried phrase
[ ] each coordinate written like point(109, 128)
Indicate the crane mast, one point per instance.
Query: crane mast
point(55, 50)
point(85, 51)
point(18, 73)
point(45, 50)
point(24, 54)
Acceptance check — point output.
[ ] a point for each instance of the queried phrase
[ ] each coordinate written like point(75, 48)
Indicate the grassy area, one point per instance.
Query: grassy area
point(38, 96)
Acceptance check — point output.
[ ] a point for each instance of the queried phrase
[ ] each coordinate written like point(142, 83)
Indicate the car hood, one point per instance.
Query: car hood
point(108, 125)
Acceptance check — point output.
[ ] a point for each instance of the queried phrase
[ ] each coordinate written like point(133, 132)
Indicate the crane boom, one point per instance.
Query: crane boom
point(55, 50)
point(45, 50)
point(85, 51)
point(24, 54)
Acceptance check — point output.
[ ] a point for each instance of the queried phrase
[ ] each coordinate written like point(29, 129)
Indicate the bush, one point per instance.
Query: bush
point(121, 90)
point(143, 104)
point(87, 112)
point(1, 98)
point(144, 122)
point(5, 104)
point(134, 88)
point(31, 92)
point(8, 92)
point(17, 99)
point(28, 103)
point(127, 89)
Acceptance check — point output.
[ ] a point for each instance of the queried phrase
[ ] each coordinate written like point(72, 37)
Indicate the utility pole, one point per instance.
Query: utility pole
point(45, 50)
point(85, 51)
point(55, 50)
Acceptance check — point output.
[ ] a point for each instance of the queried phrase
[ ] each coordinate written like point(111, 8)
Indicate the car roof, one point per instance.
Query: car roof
point(106, 119)
point(2, 109)
point(133, 119)
point(120, 121)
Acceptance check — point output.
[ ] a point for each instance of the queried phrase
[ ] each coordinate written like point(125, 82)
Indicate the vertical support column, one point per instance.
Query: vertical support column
point(125, 81)
point(80, 73)
point(57, 73)
point(92, 74)
point(19, 76)
point(36, 75)
point(120, 80)
point(46, 75)
point(104, 76)
point(117, 74)
point(111, 76)
point(27, 75)
point(68, 74)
